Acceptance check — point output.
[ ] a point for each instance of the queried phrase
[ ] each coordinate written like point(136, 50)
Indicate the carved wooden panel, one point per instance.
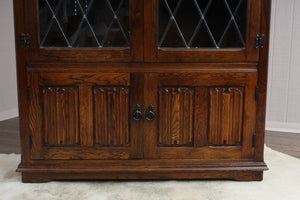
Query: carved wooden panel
point(226, 115)
point(111, 116)
point(176, 110)
point(61, 117)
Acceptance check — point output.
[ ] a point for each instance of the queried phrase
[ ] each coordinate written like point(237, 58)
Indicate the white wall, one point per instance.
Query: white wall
point(283, 104)
point(8, 86)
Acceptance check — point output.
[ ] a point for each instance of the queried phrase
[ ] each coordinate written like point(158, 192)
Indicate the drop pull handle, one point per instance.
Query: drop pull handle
point(137, 113)
point(150, 113)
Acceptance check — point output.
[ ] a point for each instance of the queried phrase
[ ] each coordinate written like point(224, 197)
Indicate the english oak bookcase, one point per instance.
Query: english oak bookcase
point(142, 89)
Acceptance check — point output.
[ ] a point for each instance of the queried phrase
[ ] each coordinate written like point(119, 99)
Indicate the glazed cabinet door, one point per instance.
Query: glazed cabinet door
point(84, 30)
point(201, 30)
point(82, 116)
point(206, 116)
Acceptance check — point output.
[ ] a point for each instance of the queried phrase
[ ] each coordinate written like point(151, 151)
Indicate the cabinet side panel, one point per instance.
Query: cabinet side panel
point(176, 110)
point(226, 111)
point(111, 108)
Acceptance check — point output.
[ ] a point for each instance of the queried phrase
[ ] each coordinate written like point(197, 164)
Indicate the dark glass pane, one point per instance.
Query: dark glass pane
point(202, 23)
point(230, 38)
point(173, 38)
point(172, 4)
point(233, 4)
point(115, 37)
point(84, 23)
point(202, 38)
point(187, 18)
point(241, 18)
point(164, 18)
point(55, 36)
point(85, 37)
point(217, 18)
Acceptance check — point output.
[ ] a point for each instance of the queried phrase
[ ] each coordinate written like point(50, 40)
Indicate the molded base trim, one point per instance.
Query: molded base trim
point(251, 171)
point(228, 175)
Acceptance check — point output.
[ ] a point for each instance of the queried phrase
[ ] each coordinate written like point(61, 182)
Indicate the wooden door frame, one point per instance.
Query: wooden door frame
point(84, 55)
point(83, 85)
point(23, 102)
point(262, 81)
point(201, 149)
point(153, 54)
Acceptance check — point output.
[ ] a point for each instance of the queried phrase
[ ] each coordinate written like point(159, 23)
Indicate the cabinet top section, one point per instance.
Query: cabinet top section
point(141, 31)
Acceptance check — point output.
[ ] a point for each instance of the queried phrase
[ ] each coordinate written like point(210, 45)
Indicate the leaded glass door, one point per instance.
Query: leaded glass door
point(84, 30)
point(202, 30)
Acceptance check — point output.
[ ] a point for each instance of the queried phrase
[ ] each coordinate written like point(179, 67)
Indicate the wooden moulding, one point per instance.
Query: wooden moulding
point(247, 171)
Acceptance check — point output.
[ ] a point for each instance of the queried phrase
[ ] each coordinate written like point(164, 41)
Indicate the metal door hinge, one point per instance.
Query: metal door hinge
point(25, 40)
point(260, 41)
point(28, 93)
point(256, 93)
point(254, 140)
point(30, 141)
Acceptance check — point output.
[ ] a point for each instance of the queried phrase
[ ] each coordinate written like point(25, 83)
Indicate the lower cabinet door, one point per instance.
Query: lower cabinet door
point(81, 116)
point(200, 116)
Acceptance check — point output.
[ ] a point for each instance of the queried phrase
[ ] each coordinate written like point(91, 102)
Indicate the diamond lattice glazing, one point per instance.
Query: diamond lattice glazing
point(202, 23)
point(84, 23)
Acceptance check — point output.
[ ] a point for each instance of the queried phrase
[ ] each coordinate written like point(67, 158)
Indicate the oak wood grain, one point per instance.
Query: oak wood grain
point(176, 116)
point(61, 116)
point(111, 108)
point(226, 114)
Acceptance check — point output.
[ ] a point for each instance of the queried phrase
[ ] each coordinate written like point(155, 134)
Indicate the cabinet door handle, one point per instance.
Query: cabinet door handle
point(150, 113)
point(137, 113)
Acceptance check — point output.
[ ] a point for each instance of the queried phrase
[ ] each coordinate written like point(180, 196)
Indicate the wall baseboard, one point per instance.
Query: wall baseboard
point(283, 127)
point(8, 114)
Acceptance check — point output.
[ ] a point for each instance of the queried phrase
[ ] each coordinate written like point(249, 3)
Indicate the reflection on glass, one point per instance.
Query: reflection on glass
point(202, 23)
point(84, 23)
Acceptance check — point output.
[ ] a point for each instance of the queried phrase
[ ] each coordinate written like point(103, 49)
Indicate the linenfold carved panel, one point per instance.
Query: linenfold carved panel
point(111, 116)
point(176, 106)
point(225, 115)
point(61, 116)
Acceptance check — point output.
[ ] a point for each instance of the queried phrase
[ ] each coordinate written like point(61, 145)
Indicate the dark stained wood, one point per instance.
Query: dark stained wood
point(262, 80)
point(180, 107)
point(176, 116)
point(287, 143)
point(35, 117)
point(142, 67)
point(150, 128)
point(20, 27)
point(204, 79)
point(64, 118)
point(137, 127)
point(249, 116)
point(154, 54)
point(201, 116)
point(86, 116)
point(150, 33)
point(241, 175)
point(96, 128)
point(79, 55)
point(226, 114)
point(61, 116)
point(85, 78)
point(111, 108)
point(137, 31)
